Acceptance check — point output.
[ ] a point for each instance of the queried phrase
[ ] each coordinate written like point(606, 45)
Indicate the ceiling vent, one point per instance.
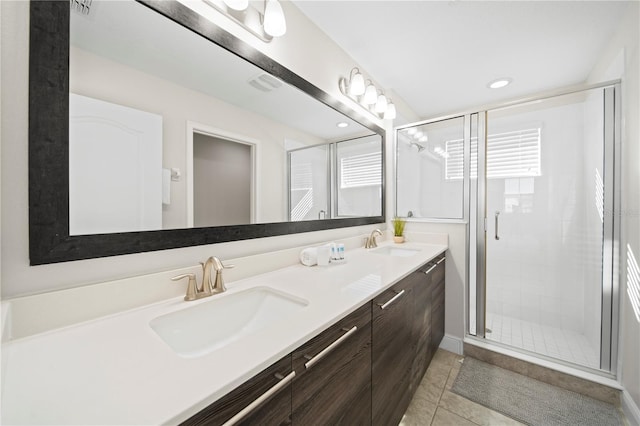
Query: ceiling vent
point(81, 6)
point(265, 82)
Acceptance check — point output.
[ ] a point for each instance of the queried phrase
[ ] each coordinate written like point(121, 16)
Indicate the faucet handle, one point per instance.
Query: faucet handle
point(191, 287)
point(218, 265)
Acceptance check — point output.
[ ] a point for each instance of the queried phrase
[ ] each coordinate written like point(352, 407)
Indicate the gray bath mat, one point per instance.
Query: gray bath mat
point(528, 400)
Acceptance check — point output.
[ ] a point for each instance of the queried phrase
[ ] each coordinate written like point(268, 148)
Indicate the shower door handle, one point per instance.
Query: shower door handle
point(497, 222)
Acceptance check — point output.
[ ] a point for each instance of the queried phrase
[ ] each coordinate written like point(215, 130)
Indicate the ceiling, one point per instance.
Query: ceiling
point(129, 33)
point(439, 56)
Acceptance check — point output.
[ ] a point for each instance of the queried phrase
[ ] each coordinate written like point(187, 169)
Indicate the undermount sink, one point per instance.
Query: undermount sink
point(395, 251)
point(211, 325)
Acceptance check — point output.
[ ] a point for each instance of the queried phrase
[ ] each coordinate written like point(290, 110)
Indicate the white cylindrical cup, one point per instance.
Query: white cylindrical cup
point(324, 253)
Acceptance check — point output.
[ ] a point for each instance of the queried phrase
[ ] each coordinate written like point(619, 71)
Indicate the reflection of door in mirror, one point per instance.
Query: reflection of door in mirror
point(115, 168)
point(309, 183)
point(221, 179)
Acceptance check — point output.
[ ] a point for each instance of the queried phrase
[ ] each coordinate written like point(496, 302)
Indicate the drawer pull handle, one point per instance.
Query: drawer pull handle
point(431, 269)
point(441, 260)
point(262, 398)
point(331, 347)
point(393, 299)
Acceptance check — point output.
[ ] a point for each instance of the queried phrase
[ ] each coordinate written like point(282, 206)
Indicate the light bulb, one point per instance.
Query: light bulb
point(274, 22)
point(390, 112)
point(370, 95)
point(418, 135)
point(237, 4)
point(356, 84)
point(381, 104)
point(423, 139)
point(412, 131)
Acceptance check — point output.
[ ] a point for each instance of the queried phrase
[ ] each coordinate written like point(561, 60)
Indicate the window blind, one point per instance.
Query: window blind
point(361, 170)
point(509, 154)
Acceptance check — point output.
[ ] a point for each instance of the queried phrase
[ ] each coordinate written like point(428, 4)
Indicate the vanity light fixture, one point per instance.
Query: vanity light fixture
point(274, 23)
point(237, 4)
point(390, 112)
point(500, 82)
point(367, 95)
point(370, 94)
point(265, 25)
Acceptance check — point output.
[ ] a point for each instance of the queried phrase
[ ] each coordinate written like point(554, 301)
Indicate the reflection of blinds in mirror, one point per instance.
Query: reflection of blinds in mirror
point(301, 190)
point(509, 154)
point(301, 176)
point(361, 170)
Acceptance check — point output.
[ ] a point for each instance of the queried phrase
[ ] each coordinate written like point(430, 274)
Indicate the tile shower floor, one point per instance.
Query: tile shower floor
point(554, 342)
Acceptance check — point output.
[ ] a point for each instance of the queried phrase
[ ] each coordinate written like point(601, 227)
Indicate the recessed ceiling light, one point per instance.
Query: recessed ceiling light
point(342, 124)
point(501, 82)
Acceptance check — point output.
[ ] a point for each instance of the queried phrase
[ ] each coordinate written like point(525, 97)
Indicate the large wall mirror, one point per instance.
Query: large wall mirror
point(150, 128)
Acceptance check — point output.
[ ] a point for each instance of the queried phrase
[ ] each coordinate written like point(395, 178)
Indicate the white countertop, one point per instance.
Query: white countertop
point(116, 370)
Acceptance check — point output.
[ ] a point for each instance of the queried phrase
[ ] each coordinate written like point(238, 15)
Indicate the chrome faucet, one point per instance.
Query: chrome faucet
point(371, 241)
point(207, 288)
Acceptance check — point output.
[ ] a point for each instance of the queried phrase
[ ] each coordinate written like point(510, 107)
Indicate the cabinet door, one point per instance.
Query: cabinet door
point(437, 303)
point(422, 290)
point(269, 392)
point(392, 353)
point(333, 374)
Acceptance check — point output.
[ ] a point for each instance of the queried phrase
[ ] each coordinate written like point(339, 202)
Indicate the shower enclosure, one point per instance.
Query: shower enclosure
point(540, 184)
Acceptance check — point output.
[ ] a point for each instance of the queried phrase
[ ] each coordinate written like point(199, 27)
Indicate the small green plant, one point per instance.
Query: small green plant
point(398, 226)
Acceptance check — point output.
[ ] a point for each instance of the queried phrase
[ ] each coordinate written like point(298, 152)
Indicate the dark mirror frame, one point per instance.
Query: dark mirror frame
point(49, 239)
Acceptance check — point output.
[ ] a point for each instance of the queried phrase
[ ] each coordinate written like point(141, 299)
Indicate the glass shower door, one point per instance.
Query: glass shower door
point(309, 182)
point(548, 238)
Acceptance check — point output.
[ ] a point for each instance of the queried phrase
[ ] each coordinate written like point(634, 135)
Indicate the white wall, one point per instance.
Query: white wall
point(301, 50)
point(621, 59)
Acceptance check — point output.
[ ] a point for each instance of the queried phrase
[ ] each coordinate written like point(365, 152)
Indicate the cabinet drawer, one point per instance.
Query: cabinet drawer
point(272, 384)
point(333, 374)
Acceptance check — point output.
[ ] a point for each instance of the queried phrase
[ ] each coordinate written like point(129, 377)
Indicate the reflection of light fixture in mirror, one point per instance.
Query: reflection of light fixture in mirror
point(423, 139)
point(265, 25)
point(411, 131)
point(367, 95)
point(418, 134)
point(342, 124)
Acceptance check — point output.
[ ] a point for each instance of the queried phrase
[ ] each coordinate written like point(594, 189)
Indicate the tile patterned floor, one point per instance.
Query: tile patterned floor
point(434, 403)
point(554, 342)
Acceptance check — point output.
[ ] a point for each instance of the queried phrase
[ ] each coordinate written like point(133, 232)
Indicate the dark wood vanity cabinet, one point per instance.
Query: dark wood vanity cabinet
point(407, 327)
point(428, 327)
point(333, 374)
point(437, 303)
point(272, 384)
point(363, 370)
point(392, 352)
